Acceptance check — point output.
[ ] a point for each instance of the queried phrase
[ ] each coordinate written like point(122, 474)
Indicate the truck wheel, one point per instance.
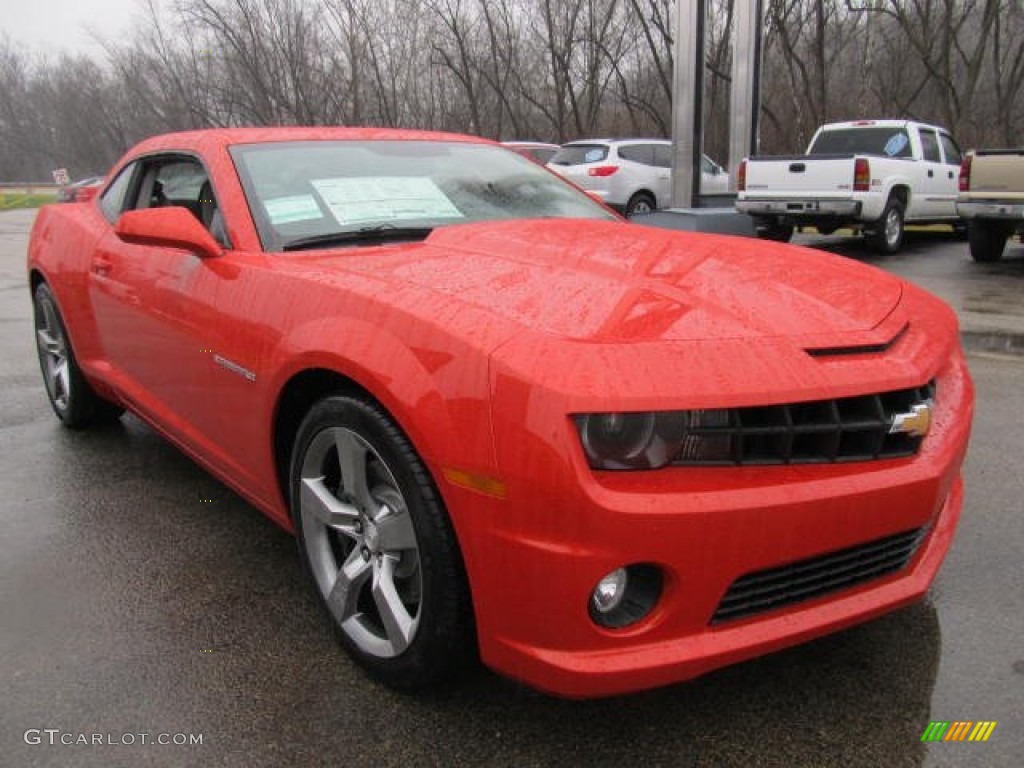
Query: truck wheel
point(986, 241)
point(773, 229)
point(887, 235)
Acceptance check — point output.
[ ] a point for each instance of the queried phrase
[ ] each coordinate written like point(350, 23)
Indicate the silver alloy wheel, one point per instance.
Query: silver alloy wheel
point(53, 354)
point(360, 542)
point(893, 227)
point(642, 206)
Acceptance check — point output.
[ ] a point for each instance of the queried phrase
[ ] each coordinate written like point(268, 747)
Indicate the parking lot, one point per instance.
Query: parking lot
point(141, 596)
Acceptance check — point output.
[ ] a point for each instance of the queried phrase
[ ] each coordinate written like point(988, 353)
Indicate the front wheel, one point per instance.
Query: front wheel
point(375, 538)
point(71, 397)
point(986, 241)
point(887, 236)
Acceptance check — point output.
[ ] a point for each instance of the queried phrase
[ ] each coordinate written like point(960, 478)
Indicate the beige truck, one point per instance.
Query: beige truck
point(991, 199)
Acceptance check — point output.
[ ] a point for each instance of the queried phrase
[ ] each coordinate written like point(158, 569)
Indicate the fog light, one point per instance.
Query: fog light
point(609, 591)
point(626, 595)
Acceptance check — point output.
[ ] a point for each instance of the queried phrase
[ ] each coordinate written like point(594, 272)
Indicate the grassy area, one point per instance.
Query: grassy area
point(11, 200)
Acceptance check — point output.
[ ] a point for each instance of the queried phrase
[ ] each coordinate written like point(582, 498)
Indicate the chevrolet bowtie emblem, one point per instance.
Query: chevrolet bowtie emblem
point(916, 422)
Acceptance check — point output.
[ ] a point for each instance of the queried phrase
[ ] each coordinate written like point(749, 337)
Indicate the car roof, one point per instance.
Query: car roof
point(218, 138)
point(617, 142)
point(885, 123)
point(531, 144)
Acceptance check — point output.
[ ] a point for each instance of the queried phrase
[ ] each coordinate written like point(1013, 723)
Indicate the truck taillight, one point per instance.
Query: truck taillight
point(965, 174)
point(861, 175)
point(741, 176)
point(603, 170)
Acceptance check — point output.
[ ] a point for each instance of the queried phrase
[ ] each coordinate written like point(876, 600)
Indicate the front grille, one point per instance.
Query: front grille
point(788, 584)
point(822, 431)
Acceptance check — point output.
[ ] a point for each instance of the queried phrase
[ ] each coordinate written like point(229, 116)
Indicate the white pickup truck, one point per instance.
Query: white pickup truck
point(874, 176)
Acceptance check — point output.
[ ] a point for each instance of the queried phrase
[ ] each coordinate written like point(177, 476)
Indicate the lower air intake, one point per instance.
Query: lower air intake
point(806, 579)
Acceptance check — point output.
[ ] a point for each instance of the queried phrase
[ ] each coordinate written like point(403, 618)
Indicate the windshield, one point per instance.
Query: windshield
point(302, 190)
point(892, 142)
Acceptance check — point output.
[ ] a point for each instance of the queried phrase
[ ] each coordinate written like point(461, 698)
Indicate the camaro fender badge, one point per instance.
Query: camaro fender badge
point(916, 422)
point(234, 367)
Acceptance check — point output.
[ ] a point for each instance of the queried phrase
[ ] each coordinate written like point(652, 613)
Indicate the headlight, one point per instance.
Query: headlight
point(650, 440)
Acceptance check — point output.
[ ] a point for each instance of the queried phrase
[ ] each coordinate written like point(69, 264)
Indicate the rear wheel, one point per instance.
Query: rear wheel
point(641, 202)
point(773, 229)
point(986, 241)
point(887, 234)
point(71, 397)
point(376, 540)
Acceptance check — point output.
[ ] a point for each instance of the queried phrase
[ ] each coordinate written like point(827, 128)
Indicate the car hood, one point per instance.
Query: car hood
point(618, 282)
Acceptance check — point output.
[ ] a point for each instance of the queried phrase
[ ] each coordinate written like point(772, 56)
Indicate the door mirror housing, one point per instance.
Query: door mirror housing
point(171, 226)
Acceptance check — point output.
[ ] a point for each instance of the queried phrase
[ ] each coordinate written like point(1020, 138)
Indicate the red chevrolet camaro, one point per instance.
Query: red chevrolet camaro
point(499, 419)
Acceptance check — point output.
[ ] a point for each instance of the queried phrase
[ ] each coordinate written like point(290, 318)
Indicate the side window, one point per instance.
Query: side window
point(181, 181)
point(950, 149)
point(663, 155)
point(172, 182)
point(638, 153)
point(112, 201)
point(930, 146)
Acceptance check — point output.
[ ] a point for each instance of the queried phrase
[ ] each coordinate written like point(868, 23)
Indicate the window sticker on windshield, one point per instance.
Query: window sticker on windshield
point(367, 199)
point(284, 210)
point(896, 144)
point(593, 155)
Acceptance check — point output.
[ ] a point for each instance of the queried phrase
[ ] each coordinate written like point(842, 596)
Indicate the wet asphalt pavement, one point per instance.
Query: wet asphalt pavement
point(138, 595)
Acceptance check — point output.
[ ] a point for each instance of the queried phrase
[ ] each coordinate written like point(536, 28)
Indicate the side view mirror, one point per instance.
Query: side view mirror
point(171, 226)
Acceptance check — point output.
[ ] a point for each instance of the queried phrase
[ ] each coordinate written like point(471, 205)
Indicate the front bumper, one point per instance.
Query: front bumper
point(991, 209)
point(796, 209)
point(535, 556)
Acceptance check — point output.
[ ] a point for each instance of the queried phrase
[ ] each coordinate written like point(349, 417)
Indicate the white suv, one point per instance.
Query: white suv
point(632, 175)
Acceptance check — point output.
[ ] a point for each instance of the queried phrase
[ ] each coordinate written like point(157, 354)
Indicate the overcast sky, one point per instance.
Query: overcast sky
point(53, 25)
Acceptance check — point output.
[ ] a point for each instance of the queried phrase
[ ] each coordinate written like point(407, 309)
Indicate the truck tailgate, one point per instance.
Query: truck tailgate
point(818, 177)
point(997, 174)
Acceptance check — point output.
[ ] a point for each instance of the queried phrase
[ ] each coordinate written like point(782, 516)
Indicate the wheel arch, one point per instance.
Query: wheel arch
point(294, 400)
point(901, 192)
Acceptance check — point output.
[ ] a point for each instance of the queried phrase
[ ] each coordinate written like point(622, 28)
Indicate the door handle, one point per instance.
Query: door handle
point(951, 174)
point(931, 173)
point(101, 265)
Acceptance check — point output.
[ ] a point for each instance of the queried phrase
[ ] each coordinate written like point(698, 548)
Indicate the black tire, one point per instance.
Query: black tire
point(773, 229)
point(886, 235)
point(986, 241)
point(641, 202)
point(75, 402)
point(365, 509)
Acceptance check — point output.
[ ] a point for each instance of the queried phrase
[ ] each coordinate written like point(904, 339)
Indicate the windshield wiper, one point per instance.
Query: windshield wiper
point(375, 233)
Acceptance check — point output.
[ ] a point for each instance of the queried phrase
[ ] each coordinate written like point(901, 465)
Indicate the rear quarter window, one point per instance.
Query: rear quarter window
point(951, 150)
point(930, 146)
point(638, 153)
